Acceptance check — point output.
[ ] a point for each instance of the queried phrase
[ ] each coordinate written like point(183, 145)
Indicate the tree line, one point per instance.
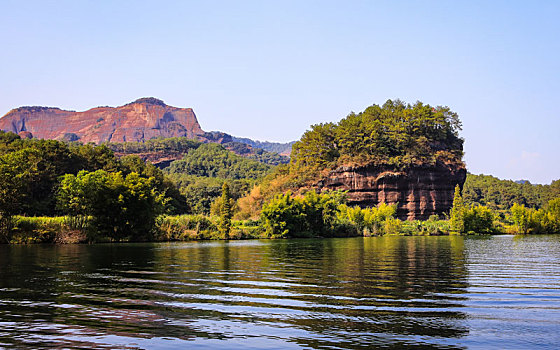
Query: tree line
point(395, 133)
point(501, 195)
point(122, 197)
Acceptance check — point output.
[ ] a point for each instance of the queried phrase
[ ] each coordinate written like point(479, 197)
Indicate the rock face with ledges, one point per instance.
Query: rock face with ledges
point(141, 120)
point(418, 192)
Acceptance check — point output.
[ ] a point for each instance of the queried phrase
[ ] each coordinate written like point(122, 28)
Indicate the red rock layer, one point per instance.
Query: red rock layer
point(419, 192)
point(140, 120)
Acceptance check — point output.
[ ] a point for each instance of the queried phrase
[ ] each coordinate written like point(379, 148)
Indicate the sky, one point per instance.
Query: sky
point(269, 69)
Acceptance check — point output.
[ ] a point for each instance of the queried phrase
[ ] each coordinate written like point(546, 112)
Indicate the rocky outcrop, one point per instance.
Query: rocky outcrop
point(419, 192)
point(140, 120)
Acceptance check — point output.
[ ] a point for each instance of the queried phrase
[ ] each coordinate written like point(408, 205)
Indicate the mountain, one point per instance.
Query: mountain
point(139, 121)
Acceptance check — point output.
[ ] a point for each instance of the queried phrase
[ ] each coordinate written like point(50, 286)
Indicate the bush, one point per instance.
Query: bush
point(304, 216)
point(367, 221)
point(530, 220)
point(478, 219)
point(185, 227)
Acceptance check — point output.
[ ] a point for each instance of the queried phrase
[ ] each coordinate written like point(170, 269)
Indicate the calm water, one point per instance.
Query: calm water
point(499, 292)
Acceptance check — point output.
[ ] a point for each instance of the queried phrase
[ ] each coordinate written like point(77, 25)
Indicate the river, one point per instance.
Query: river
point(495, 292)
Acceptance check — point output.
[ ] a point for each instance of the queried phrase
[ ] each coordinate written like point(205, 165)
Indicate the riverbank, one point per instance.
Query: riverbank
point(70, 230)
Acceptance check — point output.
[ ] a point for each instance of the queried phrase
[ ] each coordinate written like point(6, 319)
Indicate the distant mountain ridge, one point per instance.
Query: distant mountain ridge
point(280, 148)
point(138, 121)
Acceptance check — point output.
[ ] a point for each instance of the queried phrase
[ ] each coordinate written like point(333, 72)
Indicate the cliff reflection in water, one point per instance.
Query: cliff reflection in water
point(352, 291)
point(349, 293)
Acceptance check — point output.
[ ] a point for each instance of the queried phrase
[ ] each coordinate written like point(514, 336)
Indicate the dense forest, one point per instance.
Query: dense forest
point(201, 174)
point(121, 196)
point(501, 195)
point(173, 144)
point(182, 145)
point(396, 133)
point(55, 191)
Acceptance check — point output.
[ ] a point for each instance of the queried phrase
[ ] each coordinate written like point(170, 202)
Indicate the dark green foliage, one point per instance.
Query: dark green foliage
point(176, 203)
point(500, 195)
point(202, 173)
point(257, 154)
point(184, 145)
point(313, 214)
point(200, 192)
point(473, 219)
point(121, 206)
point(213, 160)
point(45, 161)
point(173, 144)
point(396, 133)
point(129, 191)
point(16, 171)
point(225, 211)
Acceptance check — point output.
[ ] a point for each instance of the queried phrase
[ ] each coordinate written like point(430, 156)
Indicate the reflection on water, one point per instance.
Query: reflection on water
point(392, 292)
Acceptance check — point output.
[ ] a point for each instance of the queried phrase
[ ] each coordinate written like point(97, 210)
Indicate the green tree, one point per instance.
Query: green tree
point(310, 215)
point(396, 133)
point(553, 210)
point(226, 212)
point(121, 207)
point(283, 216)
point(17, 169)
point(478, 219)
point(521, 217)
point(457, 216)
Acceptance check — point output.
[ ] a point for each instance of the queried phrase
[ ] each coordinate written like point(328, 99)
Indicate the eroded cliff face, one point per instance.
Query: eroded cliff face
point(140, 120)
point(419, 192)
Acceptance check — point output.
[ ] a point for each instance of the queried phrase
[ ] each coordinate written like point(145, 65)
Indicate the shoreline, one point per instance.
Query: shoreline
point(70, 230)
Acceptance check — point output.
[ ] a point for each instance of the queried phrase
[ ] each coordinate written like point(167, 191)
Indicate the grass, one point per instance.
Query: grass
point(200, 227)
point(68, 229)
point(43, 229)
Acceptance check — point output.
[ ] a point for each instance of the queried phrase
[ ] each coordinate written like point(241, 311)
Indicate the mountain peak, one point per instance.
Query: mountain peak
point(150, 101)
point(114, 124)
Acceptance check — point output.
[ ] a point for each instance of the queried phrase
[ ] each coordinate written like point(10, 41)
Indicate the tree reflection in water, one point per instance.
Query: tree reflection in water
point(349, 293)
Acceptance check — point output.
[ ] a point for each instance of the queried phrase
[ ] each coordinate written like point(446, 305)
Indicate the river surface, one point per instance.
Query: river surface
point(500, 292)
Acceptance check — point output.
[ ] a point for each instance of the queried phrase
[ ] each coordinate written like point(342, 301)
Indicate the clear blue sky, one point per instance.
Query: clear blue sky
point(269, 69)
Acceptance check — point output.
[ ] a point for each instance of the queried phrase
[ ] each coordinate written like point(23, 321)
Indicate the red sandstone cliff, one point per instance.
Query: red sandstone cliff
point(140, 120)
point(419, 192)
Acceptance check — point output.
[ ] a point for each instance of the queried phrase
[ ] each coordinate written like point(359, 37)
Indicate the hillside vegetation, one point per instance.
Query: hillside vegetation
point(396, 133)
point(201, 174)
point(182, 145)
point(501, 195)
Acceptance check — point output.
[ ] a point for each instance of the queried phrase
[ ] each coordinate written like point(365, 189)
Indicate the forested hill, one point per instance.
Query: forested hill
point(162, 151)
point(503, 194)
point(31, 169)
point(395, 134)
point(409, 155)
